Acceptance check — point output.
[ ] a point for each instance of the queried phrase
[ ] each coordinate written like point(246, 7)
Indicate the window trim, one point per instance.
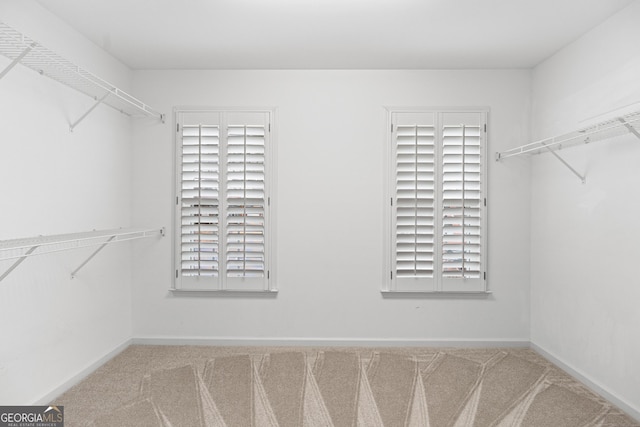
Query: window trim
point(270, 282)
point(389, 194)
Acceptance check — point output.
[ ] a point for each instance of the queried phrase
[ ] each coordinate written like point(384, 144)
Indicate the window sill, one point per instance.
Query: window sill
point(271, 293)
point(436, 294)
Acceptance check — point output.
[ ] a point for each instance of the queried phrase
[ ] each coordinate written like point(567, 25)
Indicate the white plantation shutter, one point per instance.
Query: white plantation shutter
point(462, 201)
point(438, 211)
point(414, 207)
point(246, 201)
point(223, 204)
point(199, 196)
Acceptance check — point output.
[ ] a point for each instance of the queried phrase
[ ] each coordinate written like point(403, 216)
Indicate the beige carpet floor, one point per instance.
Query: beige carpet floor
point(198, 386)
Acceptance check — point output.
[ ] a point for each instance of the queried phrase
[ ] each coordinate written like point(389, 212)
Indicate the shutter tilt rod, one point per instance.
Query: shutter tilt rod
point(464, 155)
point(18, 59)
point(629, 127)
point(73, 275)
point(582, 178)
point(98, 102)
point(18, 262)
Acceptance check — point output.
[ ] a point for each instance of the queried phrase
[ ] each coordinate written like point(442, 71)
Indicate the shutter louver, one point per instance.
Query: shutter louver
point(415, 185)
point(461, 202)
point(245, 201)
point(200, 203)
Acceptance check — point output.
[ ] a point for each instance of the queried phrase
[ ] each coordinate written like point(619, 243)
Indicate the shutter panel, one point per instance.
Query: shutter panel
point(246, 201)
point(462, 202)
point(414, 211)
point(199, 199)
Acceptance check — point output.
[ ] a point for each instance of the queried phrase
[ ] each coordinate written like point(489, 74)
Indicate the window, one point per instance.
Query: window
point(437, 201)
point(222, 219)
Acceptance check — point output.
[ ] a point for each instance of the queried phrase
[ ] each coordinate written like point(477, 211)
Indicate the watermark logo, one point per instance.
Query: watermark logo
point(31, 416)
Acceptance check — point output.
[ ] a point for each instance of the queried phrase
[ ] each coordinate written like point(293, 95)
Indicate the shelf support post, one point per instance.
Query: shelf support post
point(17, 60)
point(101, 247)
point(98, 102)
point(18, 262)
point(564, 162)
point(629, 127)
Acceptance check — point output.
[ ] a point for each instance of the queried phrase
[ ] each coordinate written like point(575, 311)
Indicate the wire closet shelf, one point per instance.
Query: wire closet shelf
point(26, 51)
point(629, 123)
point(17, 250)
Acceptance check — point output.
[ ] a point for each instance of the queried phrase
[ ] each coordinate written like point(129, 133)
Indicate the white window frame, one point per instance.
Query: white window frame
point(435, 285)
point(216, 285)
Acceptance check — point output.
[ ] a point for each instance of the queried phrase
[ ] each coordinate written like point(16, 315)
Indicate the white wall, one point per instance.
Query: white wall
point(53, 181)
point(584, 256)
point(331, 137)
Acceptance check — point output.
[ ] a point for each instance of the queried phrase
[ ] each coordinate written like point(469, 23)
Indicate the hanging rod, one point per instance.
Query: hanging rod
point(21, 49)
point(628, 123)
point(21, 249)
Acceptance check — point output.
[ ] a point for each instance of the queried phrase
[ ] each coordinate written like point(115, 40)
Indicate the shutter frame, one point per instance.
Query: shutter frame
point(230, 193)
point(460, 187)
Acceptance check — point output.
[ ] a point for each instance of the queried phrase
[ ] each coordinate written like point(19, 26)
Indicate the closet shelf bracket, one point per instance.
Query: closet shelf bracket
point(583, 179)
point(18, 262)
point(17, 60)
point(629, 127)
point(20, 249)
point(101, 247)
point(98, 102)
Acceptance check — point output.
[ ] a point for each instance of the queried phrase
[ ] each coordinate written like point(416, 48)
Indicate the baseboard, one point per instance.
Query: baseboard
point(326, 342)
point(49, 397)
point(587, 381)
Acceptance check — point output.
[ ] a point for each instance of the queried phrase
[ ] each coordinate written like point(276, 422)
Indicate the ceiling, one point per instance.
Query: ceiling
point(332, 34)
